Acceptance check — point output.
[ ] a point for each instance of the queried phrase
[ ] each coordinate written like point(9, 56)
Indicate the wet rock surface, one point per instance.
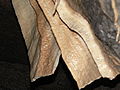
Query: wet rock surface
point(102, 23)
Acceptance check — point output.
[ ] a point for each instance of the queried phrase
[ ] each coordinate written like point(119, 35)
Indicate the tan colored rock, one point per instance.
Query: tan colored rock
point(27, 20)
point(74, 51)
point(55, 27)
point(49, 50)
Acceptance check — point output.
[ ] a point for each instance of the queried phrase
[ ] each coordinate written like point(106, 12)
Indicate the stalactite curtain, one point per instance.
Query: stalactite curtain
point(85, 33)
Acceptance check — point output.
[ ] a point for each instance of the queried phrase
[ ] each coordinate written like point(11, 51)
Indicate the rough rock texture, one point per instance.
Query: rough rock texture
point(103, 23)
point(100, 15)
point(71, 27)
